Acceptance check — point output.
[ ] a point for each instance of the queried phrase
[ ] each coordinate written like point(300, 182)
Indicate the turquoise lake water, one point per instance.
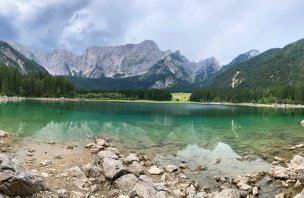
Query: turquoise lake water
point(198, 134)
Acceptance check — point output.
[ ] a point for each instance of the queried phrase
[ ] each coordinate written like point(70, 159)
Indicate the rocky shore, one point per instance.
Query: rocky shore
point(273, 105)
point(104, 171)
point(11, 99)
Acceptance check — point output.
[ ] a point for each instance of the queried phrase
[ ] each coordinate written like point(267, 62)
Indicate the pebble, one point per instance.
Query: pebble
point(45, 163)
point(69, 147)
point(201, 167)
point(43, 174)
point(255, 190)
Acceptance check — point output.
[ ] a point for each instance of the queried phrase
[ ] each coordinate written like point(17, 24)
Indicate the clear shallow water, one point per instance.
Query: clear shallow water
point(194, 133)
point(168, 126)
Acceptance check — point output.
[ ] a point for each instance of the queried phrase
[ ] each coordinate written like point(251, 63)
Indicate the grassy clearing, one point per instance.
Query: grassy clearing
point(176, 98)
point(180, 97)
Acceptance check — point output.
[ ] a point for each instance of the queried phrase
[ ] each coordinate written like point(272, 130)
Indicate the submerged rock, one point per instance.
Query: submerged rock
point(16, 181)
point(3, 134)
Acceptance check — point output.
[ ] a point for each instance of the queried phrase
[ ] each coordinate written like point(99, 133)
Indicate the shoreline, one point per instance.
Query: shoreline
point(64, 99)
point(273, 105)
point(68, 170)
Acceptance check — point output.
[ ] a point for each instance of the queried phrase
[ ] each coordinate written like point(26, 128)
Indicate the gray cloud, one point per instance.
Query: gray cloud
point(198, 28)
point(7, 31)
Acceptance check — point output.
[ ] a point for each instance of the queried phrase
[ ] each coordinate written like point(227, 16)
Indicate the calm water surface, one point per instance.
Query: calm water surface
point(198, 134)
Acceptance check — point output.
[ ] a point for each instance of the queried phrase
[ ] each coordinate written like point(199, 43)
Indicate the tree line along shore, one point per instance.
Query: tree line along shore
point(43, 85)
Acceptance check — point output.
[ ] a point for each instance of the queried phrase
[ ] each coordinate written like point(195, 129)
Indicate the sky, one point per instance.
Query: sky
point(198, 28)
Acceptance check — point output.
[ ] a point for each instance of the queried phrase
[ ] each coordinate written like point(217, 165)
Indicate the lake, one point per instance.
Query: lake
point(193, 133)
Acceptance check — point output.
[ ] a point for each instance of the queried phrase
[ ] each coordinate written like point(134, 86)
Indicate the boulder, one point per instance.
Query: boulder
point(75, 172)
point(126, 183)
point(92, 170)
point(107, 154)
point(16, 181)
point(146, 188)
point(154, 170)
point(113, 168)
point(296, 163)
point(279, 172)
point(136, 168)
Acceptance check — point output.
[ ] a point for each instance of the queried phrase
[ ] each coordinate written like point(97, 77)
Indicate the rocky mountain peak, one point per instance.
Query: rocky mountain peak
point(124, 61)
point(252, 53)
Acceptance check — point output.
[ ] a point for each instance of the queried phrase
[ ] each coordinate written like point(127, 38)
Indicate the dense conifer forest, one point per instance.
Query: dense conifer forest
point(149, 94)
point(13, 83)
point(292, 94)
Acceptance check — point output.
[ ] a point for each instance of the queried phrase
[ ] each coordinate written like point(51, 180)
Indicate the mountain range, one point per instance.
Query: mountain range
point(145, 66)
point(141, 65)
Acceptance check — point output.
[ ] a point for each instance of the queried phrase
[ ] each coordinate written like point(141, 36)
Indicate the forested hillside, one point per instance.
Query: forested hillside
point(275, 67)
point(292, 94)
point(14, 83)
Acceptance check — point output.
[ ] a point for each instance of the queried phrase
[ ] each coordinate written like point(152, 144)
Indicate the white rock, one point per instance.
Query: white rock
point(44, 174)
point(45, 162)
point(228, 193)
point(179, 193)
point(279, 159)
point(75, 172)
point(296, 163)
point(171, 168)
point(102, 142)
point(255, 190)
point(123, 196)
point(154, 170)
point(136, 168)
point(113, 168)
point(89, 145)
point(279, 172)
point(126, 183)
point(75, 194)
point(131, 158)
point(3, 134)
point(107, 154)
point(63, 193)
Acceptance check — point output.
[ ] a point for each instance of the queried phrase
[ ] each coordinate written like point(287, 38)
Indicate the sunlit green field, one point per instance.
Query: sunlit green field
point(181, 97)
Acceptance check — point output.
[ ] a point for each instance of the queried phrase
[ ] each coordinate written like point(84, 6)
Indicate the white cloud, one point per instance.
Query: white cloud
point(198, 28)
